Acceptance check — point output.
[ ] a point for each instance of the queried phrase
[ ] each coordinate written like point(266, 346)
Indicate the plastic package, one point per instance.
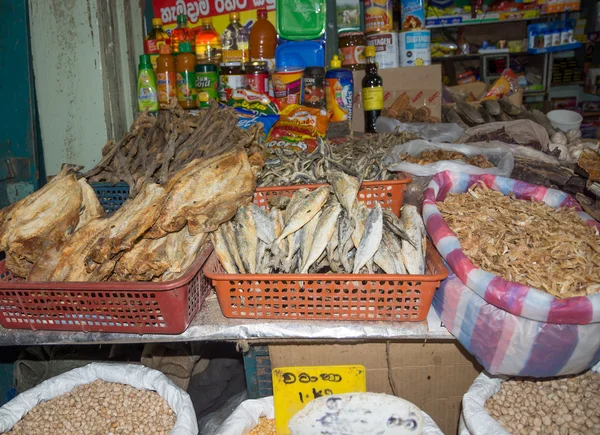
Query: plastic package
point(245, 418)
point(564, 337)
point(137, 376)
point(502, 160)
point(436, 132)
point(474, 419)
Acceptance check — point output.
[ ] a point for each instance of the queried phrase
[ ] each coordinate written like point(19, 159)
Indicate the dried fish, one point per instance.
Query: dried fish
point(371, 238)
point(491, 106)
point(413, 252)
point(529, 242)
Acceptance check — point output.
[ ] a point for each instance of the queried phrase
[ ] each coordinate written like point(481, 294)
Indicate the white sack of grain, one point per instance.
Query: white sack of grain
point(139, 377)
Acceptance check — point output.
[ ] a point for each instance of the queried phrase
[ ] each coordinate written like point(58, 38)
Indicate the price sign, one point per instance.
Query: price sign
point(294, 387)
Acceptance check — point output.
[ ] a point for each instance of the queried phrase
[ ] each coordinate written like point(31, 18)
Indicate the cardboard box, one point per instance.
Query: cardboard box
point(433, 376)
point(423, 84)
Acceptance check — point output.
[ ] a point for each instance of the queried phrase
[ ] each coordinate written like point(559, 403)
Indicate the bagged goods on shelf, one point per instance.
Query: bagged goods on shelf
point(502, 160)
point(434, 132)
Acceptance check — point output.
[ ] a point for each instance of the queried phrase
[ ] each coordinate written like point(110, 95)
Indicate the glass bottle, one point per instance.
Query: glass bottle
point(372, 91)
point(208, 43)
point(236, 41)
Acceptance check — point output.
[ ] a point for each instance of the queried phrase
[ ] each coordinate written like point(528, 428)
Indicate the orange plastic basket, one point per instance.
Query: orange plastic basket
point(327, 296)
point(131, 307)
point(389, 194)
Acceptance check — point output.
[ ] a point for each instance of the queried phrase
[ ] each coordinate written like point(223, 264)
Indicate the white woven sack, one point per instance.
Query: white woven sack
point(139, 377)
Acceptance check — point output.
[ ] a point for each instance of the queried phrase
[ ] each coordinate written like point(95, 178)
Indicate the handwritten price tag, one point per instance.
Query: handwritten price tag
point(294, 387)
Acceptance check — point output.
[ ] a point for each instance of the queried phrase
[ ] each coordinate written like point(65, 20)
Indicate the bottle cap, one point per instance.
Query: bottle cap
point(369, 51)
point(165, 49)
point(234, 16)
point(156, 22)
point(262, 13)
point(207, 20)
point(335, 62)
point(185, 47)
point(145, 61)
point(181, 19)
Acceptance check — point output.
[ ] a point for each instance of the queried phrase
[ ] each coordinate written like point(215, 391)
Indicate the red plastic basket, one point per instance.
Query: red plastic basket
point(327, 296)
point(131, 307)
point(389, 194)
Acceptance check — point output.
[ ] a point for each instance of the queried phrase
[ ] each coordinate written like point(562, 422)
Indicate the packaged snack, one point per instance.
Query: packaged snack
point(247, 118)
point(506, 85)
point(299, 128)
point(253, 101)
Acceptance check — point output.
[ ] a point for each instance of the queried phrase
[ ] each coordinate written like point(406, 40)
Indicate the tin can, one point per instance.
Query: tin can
point(207, 84)
point(313, 85)
point(232, 77)
point(257, 77)
point(386, 48)
point(378, 16)
point(287, 86)
point(415, 48)
point(413, 14)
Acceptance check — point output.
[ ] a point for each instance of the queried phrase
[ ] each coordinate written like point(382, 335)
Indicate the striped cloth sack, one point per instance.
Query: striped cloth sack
point(512, 329)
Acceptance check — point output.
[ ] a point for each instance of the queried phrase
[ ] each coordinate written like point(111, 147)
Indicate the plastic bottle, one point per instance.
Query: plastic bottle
point(208, 43)
point(186, 76)
point(372, 91)
point(147, 95)
point(236, 41)
point(182, 33)
point(154, 40)
point(263, 40)
point(166, 77)
point(339, 91)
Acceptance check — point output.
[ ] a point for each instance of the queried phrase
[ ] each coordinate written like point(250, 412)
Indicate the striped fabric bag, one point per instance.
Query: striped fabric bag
point(512, 329)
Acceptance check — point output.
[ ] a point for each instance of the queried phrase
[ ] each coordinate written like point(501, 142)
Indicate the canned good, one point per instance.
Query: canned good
point(415, 48)
point(232, 77)
point(413, 14)
point(378, 16)
point(207, 84)
point(257, 77)
point(352, 46)
point(287, 86)
point(386, 48)
point(313, 85)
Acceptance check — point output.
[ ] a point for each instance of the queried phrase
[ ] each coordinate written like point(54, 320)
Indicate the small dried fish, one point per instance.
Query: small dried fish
point(306, 210)
point(246, 238)
point(413, 253)
point(323, 234)
point(222, 250)
point(371, 238)
point(345, 188)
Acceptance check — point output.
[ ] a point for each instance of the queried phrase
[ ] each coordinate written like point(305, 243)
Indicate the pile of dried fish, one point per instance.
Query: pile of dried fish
point(467, 115)
point(158, 146)
point(432, 156)
point(503, 136)
point(321, 232)
point(360, 157)
point(528, 242)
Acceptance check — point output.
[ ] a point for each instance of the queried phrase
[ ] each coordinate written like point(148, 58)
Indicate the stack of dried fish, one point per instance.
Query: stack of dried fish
point(528, 242)
point(360, 157)
point(467, 115)
point(320, 232)
point(158, 146)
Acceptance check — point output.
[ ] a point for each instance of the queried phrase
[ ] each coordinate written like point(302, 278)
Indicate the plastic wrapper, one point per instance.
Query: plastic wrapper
point(434, 132)
point(566, 335)
point(474, 419)
point(502, 160)
point(299, 128)
point(139, 377)
point(245, 418)
point(505, 85)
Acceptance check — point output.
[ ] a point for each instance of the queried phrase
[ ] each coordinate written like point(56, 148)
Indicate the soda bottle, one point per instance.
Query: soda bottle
point(182, 33)
point(236, 41)
point(166, 77)
point(263, 40)
point(208, 43)
point(185, 64)
point(154, 40)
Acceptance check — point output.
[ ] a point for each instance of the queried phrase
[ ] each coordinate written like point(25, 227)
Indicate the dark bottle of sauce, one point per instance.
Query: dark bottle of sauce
point(372, 91)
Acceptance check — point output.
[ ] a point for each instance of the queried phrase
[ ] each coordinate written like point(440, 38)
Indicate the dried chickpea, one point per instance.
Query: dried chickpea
point(264, 427)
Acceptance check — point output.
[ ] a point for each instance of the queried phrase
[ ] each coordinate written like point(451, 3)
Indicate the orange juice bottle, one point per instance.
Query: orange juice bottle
point(208, 43)
point(186, 76)
point(166, 77)
point(263, 40)
point(182, 33)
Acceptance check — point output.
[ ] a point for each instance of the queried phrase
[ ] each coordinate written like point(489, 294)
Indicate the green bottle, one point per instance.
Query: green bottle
point(147, 93)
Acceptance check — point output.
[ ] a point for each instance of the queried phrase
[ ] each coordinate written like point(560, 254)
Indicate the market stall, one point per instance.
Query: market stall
point(367, 228)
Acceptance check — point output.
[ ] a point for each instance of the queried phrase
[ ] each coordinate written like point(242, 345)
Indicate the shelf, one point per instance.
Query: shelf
point(556, 49)
point(486, 18)
point(477, 55)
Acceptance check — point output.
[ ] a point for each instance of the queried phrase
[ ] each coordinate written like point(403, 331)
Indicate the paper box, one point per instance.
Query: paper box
point(433, 376)
point(423, 85)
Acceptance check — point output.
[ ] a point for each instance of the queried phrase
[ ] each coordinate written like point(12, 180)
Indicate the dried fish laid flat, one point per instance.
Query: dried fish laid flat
point(529, 242)
point(324, 231)
point(360, 157)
